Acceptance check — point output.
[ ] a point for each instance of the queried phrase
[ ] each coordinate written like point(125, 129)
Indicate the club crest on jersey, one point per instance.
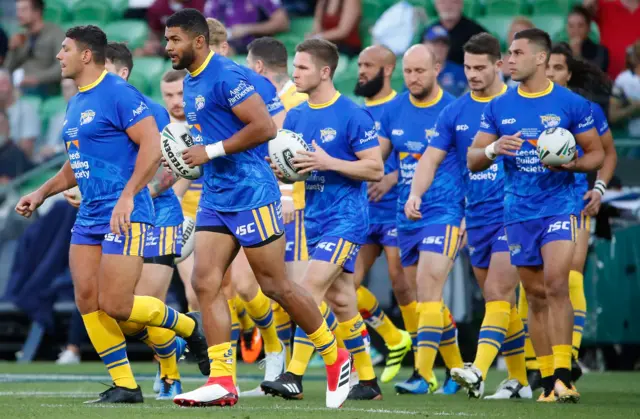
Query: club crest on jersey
point(199, 102)
point(87, 116)
point(550, 120)
point(430, 133)
point(327, 135)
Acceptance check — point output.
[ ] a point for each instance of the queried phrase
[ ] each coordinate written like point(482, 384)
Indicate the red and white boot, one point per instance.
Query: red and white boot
point(218, 391)
point(338, 378)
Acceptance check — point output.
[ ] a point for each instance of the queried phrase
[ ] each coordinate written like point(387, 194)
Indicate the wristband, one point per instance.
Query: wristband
point(600, 187)
point(490, 151)
point(215, 150)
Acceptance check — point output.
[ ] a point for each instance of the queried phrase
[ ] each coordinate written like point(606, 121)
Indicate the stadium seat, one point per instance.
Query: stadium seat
point(473, 8)
point(300, 26)
point(550, 7)
point(343, 64)
point(133, 32)
point(345, 83)
point(92, 10)
point(10, 26)
point(140, 82)
point(35, 101)
point(503, 7)
point(68, 25)
point(290, 40)
point(50, 107)
point(240, 59)
point(118, 8)
point(56, 11)
point(552, 24)
point(151, 67)
point(498, 26)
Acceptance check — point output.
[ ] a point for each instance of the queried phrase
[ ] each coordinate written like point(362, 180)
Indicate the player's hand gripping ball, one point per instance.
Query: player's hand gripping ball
point(556, 146)
point(176, 137)
point(282, 151)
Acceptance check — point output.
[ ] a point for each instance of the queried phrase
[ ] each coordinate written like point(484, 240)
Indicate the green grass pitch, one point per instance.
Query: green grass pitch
point(45, 390)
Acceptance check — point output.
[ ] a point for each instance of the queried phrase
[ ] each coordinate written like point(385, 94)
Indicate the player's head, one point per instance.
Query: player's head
point(529, 54)
point(217, 37)
point(83, 46)
point(267, 56)
point(187, 36)
point(375, 68)
point(315, 63)
point(171, 87)
point(29, 12)
point(420, 69)
point(118, 59)
point(482, 61)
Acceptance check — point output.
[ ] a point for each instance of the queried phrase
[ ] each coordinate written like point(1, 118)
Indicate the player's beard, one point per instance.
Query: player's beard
point(424, 93)
point(372, 87)
point(186, 60)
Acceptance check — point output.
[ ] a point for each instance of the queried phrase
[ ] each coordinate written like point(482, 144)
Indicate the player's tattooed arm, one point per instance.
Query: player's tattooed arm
point(62, 181)
point(161, 182)
point(422, 180)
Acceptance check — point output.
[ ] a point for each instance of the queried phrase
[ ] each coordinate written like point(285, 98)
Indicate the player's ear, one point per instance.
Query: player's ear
point(86, 56)
point(388, 70)
point(325, 73)
point(498, 65)
point(224, 48)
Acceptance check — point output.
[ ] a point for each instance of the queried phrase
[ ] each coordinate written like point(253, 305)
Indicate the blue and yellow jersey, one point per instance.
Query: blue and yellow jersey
point(336, 205)
point(384, 211)
point(410, 128)
point(484, 192)
point(235, 182)
point(101, 153)
point(290, 99)
point(166, 205)
point(531, 190)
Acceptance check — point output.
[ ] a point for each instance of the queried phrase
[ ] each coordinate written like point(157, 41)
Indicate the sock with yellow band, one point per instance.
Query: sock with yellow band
point(109, 342)
point(449, 349)
point(529, 353)
point(492, 334)
point(259, 308)
point(220, 357)
point(284, 327)
point(235, 335)
point(246, 322)
point(429, 334)
point(374, 317)
point(410, 319)
point(562, 363)
point(151, 311)
point(546, 372)
point(579, 303)
point(163, 343)
point(513, 349)
point(351, 333)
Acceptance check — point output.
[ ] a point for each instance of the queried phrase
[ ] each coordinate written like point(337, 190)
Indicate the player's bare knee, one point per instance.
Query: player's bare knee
point(339, 303)
point(557, 288)
point(118, 307)
point(86, 297)
point(278, 290)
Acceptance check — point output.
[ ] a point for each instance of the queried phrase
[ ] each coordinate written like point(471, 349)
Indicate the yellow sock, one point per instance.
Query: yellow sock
point(513, 349)
point(429, 334)
point(579, 303)
point(246, 322)
point(325, 343)
point(376, 318)
point(302, 351)
point(546, 365)
point(562, 356)
point(235, 335)
point(260, 311)
point(152, 312)
point(410, 319)
point(329, 317)
point(221, 362)
point(492, 334)
point(109, 342)
point(351, 334)
point(449, 349)
point(284, 327)
point(529, 353)
point(161, 341)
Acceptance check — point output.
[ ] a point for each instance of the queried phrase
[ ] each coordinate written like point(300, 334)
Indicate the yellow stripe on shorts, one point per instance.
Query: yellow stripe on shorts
point(265, 215)
point(453, 246)
point(256, 218)
point(336, 252)
point(447, 235)
point(346, 252)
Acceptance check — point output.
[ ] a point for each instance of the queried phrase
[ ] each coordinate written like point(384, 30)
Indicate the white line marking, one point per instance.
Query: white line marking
point(93, 378)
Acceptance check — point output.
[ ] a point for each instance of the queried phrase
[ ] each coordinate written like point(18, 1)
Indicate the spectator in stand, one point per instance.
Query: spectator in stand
point(451, 77)
point(459, 27)
point(32, 54)
point(4, 45)
point(619, 22)
point(519, 23)
point(23, 116)
point(248, 19)
point(338, 21)
point(157, 15)
point(13, 162)
point(53, 143)
point(625, 104)
point(578, 27)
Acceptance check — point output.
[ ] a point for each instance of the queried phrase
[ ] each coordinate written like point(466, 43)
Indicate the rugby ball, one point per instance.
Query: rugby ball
point(283, 149)
point(176, 137)
point(556, 146)
point(188, 238)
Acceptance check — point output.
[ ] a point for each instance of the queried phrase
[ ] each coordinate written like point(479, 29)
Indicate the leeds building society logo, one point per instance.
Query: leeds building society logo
point(550, 121)
point(199, 102)
point(327, 135)
point(87, 116)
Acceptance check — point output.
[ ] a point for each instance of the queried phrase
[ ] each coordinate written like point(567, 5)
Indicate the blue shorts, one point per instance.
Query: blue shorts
point(435, 238)
point(583, 221)
point(484, 241)
point(296, 239)
point(382, 235)
point(252, 228)
point(163, 241)
point(527, 238)
point(338, 251)
point(131, 244)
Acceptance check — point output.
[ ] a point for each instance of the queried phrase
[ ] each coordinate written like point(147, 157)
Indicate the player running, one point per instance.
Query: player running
point(345, 155)
point(108, 238)
point(239, 207)
point(428, 244)
point(375, 67)
point(539, 201)
point(487, 243)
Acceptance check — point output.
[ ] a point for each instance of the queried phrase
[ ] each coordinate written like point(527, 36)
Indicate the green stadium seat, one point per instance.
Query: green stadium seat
point(503, 7)
point(498, 26)
point(140, 82)
point(50, 107)
point(290, 40)
point(426, 5)
point(343, 64)
point(133, 32)
point(92, 10)
point(152, 67)
point(68, 25)
point(240, 59)
point(35, 101)
point(118, 8)
point(300, 26)
point(345, 82)
point(552, 24)
point(397, 79)
point(473, 8)
point(550, 7)
point(56, 12)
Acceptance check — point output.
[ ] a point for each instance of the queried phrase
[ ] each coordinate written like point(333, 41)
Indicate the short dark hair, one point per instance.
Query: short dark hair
point(484, 44)
point(120, 55)
point(92, 38)
point(38, 5)
point(325, 52)
point(536, 36)
point(173, 75)
point(579, 9)
point(191, 21)
point(270, 51)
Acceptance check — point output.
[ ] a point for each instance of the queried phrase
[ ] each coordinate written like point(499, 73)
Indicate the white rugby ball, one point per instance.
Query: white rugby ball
point(283, 149)
point(556, 146)
point(176, 137)
point(188, 238)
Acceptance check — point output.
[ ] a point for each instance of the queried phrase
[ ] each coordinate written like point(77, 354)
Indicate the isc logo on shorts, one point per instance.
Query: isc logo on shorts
point(328, 246)
point(110, 237)
point(439, 240)
point(246, 229)
point(559, 225)
point(289, 246)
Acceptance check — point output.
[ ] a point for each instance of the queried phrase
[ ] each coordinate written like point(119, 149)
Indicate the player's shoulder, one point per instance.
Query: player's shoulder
point(447, 98)
point(153, 106)
point(352, 111)
point(459, 104)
